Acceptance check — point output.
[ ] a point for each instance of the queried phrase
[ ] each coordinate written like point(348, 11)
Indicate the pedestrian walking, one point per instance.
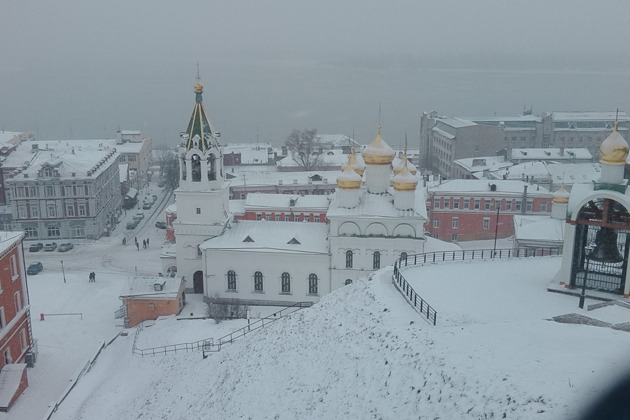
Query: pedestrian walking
point(137, 246)
point(147, 242)
point(144, 244)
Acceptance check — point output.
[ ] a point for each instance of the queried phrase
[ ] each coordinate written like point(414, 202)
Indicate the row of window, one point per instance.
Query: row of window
point(285, 282)
point(455, 223)
point(488, 204)
point(51, 191)
point(55, 232)
point(31, 210)
point(376, 259)
point(290, 217)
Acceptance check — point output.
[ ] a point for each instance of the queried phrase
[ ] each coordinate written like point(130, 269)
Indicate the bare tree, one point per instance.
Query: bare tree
point(304, 148)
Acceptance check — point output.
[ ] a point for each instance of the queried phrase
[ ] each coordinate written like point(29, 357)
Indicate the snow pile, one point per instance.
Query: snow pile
point(361, 352)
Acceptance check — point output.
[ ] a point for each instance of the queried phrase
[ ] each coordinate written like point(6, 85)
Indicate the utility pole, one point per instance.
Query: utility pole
point(63, 271)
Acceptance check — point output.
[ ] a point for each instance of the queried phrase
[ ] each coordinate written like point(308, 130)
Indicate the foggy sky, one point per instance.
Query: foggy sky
point(73, 69)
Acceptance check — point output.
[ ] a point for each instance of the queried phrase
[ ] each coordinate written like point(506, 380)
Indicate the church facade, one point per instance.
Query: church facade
point(375, 217)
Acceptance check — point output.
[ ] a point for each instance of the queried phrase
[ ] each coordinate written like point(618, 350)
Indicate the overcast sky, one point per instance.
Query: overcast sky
point(76, 69)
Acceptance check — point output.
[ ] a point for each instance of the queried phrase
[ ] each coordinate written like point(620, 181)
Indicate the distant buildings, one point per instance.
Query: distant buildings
point(17, 346)
point(444, 140)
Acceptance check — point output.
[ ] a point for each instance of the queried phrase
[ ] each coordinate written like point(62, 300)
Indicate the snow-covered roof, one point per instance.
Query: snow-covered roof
point(568, 173)
point(443, 133)
point(290, 237)
point(67, 156)
point(237, 207)
point(8, 239)
point(589, 116)
point(332, 157)
point(379, 205)
point(251, 153)
point(286, 178)
point(285, 201)
point(490, 163)
point(12, 138)
point(551, 154)
point(144, 287)
point(455, 186)
point(541, 229)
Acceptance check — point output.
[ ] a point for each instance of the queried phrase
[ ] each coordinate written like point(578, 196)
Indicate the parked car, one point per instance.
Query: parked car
point(132, 224)
point(161, 183)
point(34, 268)
point(35, 247)
point(147, 205)
point(66, 247)
point(139, 216)
point(160, 225)
point(50, 246)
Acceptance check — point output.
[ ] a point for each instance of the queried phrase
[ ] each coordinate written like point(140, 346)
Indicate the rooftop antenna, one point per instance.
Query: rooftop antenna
point(198, 77)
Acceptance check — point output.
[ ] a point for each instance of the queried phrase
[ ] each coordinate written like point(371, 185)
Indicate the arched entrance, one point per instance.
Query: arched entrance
point(198, 282)
point(600, 249)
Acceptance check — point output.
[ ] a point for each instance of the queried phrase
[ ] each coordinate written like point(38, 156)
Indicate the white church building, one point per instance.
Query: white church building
point(375, 217)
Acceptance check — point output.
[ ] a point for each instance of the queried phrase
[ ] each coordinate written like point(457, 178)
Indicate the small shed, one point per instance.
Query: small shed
point(149, 298)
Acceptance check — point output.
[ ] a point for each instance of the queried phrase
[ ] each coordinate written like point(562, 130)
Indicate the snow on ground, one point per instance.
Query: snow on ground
point(362, 352)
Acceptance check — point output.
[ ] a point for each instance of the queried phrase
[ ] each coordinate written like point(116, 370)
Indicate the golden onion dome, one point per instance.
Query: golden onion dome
point(398, 164)
point(561, 196)
point(378, 152)
point(614, 149)
point(198, 87)
point(349, 179)
point(405, 180)
point(354, 164)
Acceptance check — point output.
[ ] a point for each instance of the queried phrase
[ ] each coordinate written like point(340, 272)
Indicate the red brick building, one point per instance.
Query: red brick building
point(284, 208)
point(468, 210)
point(150, 298)
point(16, 339)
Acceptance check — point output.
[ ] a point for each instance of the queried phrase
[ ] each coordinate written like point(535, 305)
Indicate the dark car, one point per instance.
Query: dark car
point(65, 247)
point(34, 268)
point(160, 225)
point(35, 247)
point(147, 205)
point(50, 246)
point(133, 224)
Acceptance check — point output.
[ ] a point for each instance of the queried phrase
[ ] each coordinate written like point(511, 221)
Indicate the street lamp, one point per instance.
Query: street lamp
point(64, 272)
point(587, 252)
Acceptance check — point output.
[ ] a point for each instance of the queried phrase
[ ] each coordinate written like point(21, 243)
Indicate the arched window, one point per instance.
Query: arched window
point(48, 172)
point(376, 260)
point(286, 282)
point(212, 170)
point(349, 256)
point(258, 281)
point(182, 165)
point(195, 163)
point(348, 281)
point(231, 280)
point(403, 258)
point(312, 284)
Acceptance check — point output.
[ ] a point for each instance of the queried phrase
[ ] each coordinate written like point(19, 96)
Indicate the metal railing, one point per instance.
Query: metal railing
point(422, 305)
point(209, 345)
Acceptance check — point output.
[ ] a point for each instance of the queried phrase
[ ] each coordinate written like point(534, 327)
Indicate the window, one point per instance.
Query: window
point(258, 216)
point(23, 341)
point(231, 281)
point(31, 232)
point(19, 192)
point(82, 209)
point(53, 232)
point(376, 260)
point(455, 223)
point(348, 281)
point(3, 321)
point(466, 203)
point(456, 203)
point(529, 205)
point(349, 256)
point(198, 210)
point(486, 223)
point(268, 217)
point(436, 222)
point(50, 191)
point(7, 357)
point(286, 282)
point(151, 306)
point(47, 172)
point(277, 217)
point(34, 210)
point(312, 284)
point(258, 281)
point(51, 210)
point(70, 210)
point(508, 205)
point(22, 211)
point(403, 257)
point(518, 205)
point(18, 301)
point(543, 206)
point(486, 204)
point(477, 204)
point(13, 267)
point(436, 203)
point(447, 202)
point(454, 237)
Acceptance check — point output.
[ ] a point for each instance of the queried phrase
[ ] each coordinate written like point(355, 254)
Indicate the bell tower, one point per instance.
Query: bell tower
point(202, 195)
